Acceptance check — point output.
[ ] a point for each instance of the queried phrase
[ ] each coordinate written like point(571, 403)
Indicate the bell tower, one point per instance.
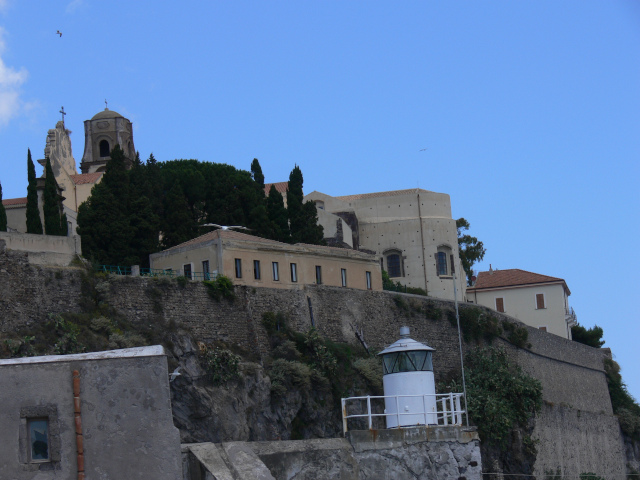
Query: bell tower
point(103, 132)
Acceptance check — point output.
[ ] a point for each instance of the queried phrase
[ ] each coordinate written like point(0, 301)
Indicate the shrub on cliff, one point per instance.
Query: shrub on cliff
point(500, 396)
point(588, 336)
point(624, 405)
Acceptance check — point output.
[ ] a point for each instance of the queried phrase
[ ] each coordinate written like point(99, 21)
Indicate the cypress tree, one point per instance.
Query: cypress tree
point(3, 214)
point(294, 204)
point(64, 225)
point(103, 220)
point(51, 204)
point(311, 232)
point(256, 173)
point(34, 223)
point(278, 216)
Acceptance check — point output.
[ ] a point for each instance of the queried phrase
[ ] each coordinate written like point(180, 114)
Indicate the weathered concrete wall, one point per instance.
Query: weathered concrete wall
point(126, 417)
point(561, 429)
point(422, 453)
point(43, 249)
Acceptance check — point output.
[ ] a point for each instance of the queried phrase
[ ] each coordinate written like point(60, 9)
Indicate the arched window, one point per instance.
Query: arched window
point(442, 257)
point(394, 263)
point(104, 148)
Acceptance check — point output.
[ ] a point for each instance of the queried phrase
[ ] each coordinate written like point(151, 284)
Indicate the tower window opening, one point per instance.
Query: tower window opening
point(104, 148)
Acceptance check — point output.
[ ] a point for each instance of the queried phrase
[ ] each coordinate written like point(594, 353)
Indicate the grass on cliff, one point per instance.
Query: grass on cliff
point(309, 362)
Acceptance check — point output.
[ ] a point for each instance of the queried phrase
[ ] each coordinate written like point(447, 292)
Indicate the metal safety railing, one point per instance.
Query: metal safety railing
point(155, 272)
point(448, 410)
point(114, 269)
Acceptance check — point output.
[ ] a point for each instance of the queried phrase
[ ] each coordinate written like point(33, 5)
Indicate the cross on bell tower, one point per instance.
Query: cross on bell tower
point(63, 113)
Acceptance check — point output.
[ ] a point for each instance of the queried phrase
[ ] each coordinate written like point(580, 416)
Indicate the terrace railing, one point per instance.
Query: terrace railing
point(449, 411)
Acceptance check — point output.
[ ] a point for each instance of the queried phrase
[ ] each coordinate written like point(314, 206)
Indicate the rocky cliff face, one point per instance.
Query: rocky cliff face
point(244, 408)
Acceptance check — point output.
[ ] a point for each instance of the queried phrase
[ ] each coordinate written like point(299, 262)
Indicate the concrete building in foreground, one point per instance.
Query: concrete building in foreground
point(538, 300)
point(90, 415)
point(411, 233)
point(260, 262)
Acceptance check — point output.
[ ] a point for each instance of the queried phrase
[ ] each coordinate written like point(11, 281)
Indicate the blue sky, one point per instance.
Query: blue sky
point(529, 112)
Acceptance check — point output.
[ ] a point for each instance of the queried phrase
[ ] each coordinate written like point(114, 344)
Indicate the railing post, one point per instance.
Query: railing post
point(424, 405)
point(398, 411)
point(344, 416)
point(453, 418)
point(369, 412)
point(445, 414)
point(458, 411)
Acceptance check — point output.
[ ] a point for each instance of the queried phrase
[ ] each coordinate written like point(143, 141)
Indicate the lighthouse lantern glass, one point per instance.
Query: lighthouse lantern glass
point(412, 361)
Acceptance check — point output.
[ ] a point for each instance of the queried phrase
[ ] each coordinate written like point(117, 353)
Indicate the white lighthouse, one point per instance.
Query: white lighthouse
point(409, 385)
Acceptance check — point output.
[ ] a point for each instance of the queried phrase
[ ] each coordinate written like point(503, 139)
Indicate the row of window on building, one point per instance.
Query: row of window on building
point(394, 264)
point(540, 303)
point(293, 273)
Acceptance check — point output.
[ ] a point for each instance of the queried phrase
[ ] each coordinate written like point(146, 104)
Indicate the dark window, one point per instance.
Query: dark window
point(544, 329)
point(256, 269)
point(453, 266)
point(205, 269)
point(187, 270)
point(318, 274)
point(441, 263)
point(343, 275)
point(276, 272)
point(500, 304)
point(38, 431)
point(540, 300)
point(238, 268)
point(104, 148)
point(368, 276)
point(393, 265)
point(294, 272)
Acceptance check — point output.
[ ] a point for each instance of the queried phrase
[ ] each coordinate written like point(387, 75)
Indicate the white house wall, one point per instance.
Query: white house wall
point(520, 303)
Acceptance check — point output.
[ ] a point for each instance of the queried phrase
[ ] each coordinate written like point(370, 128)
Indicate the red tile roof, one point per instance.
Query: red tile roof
point(14, 201)
point(235, 235)
point(391, 193)
point(512, 278)
point(86, 178)
point(281, 187)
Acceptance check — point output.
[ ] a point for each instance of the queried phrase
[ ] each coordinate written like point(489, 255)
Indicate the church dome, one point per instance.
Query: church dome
point(106, 113)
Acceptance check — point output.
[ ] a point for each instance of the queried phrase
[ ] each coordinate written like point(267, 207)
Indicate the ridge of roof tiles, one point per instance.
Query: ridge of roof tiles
point(14, 201)
point(510, 278)
point(234, 235)
point(85, 178)
point(225, 235)
point(281, 187)
point(390, 193)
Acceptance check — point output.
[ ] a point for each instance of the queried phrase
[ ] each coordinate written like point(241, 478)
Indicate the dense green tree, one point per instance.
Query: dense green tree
point(278, 216)
point(3, 214)
point(312, 232)
point(294, 204)
point(64, 225)
point(51, 203)
point(470, 249)
point(103, 220)
point(34, 222)
point(588, 336)
point(178, 225)
point(303, 216)
point(144, 222)
point(256, 174)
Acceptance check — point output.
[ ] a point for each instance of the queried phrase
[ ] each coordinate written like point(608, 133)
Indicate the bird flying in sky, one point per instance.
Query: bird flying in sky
point(59, 33)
